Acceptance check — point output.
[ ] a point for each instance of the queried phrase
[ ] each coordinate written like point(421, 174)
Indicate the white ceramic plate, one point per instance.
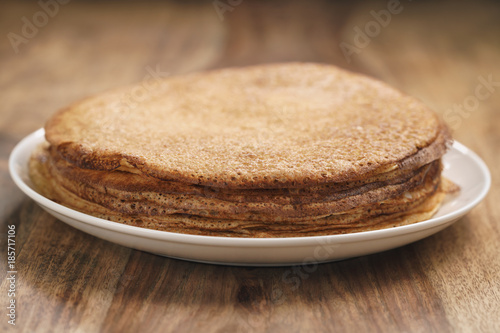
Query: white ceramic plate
point(461, 165)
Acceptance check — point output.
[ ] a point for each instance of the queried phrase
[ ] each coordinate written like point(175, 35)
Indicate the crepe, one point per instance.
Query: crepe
point(416, 205)
point(267, 151)
point(274, 126)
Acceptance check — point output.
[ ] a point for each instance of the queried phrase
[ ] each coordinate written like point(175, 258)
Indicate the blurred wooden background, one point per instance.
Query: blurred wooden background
point(52, 54)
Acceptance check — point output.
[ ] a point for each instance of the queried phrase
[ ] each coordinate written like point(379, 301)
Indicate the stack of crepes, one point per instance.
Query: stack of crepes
point(279, 150)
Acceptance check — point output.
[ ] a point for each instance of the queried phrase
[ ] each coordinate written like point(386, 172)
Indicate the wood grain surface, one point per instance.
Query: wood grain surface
point(68, 281)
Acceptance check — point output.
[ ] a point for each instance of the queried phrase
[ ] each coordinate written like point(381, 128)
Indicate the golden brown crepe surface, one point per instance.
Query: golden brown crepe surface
point(270, 126)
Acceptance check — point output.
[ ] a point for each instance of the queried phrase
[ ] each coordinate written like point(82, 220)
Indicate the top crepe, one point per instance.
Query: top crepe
point(271, 126)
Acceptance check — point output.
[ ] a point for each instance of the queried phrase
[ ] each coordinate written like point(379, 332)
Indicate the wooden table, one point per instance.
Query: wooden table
point(68, 281)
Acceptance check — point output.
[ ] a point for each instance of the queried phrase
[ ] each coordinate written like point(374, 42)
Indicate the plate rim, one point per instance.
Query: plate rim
point(38, 136)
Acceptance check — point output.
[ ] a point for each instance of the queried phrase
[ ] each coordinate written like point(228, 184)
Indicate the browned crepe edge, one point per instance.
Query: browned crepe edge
point(214, 208)
point(180, 223)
